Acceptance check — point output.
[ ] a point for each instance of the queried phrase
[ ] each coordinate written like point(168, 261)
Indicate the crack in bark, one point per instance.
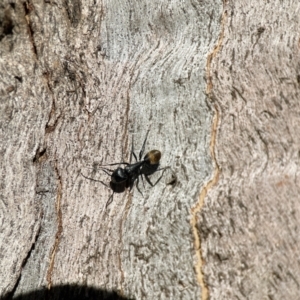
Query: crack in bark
point(28, 7)
point(39, 154)
point(215, 177)
point(49, 128)
point(24, 262)
point(59, 230)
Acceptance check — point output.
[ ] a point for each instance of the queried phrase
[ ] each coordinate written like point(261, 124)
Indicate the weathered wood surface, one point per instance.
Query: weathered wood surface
point(216, 83)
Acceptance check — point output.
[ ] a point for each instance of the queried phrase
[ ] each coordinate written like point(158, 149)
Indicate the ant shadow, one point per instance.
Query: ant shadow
point(67, 292)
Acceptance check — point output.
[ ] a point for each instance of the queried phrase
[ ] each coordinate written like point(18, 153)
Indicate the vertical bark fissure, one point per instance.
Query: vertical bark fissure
point(59, 229)
point(11, 294)
point(28, 7)
point(198, 206)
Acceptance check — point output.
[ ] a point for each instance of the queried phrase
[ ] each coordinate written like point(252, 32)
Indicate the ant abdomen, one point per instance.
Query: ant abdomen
point(151, 162)
point(119, 187)
point(153, 157)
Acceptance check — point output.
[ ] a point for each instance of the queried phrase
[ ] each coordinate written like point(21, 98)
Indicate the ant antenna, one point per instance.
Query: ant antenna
point(143, 147)
point(96, 179)
point(132, 151)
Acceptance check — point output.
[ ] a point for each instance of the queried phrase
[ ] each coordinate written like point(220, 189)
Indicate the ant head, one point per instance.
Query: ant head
point(153, 157)
point(119, 175)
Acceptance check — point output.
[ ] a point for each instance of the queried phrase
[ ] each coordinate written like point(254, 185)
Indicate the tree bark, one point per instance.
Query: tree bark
point(217, 86)
point(249, 222)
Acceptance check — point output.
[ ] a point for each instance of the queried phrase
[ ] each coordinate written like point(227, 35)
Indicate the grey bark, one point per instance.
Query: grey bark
point(216, 83)
point(250, 220)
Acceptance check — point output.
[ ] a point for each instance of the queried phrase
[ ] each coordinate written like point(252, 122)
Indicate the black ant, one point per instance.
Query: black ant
point(123, 178)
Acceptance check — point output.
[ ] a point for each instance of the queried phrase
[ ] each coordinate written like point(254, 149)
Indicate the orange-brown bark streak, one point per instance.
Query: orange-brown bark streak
point(198, 206)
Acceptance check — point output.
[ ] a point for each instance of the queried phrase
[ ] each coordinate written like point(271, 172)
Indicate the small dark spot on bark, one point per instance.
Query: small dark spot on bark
point(6, 24)
point(20, 79)
point(179, 81)
point(72, 75)
point(38, 155)
point(221, 256)
point(73, 9)
point(173, 180)
point(10, 89)
point(260, 30)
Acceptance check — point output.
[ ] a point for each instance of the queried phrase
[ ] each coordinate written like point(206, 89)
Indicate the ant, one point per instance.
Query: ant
point(123, 178)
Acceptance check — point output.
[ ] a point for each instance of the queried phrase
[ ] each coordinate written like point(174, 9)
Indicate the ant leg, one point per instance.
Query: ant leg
point(148, 180)
point(119, 163)
point(137, 186)
point(143, 181)
point(132, 152)
point(162, 174)
point(143, 147)
point(106, 171)
point(162, 169)
point(110, 200)
point(130, 158)
point(95, 179)
point(101, 168)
